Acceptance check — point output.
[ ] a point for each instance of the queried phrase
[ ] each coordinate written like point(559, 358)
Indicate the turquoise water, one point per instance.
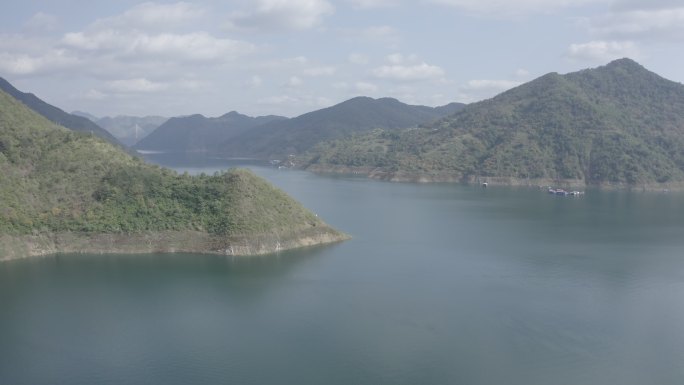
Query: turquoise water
point(441, 284)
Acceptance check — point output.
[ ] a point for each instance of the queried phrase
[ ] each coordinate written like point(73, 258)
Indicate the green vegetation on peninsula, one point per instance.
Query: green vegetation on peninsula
point(616, 125)
point(64, 191)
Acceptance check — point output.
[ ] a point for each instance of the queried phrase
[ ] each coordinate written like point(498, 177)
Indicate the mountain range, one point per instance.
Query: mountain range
point(264, 137)
point(293, 136)
point(618, 124)
point(198, 133)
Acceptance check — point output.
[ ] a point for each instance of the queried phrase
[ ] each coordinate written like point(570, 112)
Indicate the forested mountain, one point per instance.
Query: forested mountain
point(616, 124)
point(198, 133)
point(56, 115)
point(360, 114)
point(65, 191)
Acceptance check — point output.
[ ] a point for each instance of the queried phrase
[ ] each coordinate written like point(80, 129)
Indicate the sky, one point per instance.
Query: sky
point(288, 57)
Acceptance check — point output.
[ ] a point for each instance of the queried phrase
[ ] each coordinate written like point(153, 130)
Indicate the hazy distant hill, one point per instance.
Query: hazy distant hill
point(198, 133)
point(356, 115)
point(86, 115)
point(64, 191)
point(55, 115)
point(617, 124)
point(131, 129)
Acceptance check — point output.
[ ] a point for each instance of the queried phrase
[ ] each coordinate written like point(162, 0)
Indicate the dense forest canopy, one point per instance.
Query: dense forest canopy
point(616, 124)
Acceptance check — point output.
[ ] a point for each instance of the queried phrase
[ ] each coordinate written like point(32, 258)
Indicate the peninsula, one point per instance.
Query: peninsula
point(63, 191)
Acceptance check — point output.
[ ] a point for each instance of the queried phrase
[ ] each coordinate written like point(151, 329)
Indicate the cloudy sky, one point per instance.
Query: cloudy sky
point(288, 57)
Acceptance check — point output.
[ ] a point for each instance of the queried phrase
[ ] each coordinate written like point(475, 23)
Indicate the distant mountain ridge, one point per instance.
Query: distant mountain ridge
point(56, 115)
point(618, 124)
point(356, 115)
point(238, 135)
point(199, 133)
point(130, 129)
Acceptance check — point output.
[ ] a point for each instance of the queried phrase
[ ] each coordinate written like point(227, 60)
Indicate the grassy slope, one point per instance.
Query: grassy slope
point(617, 124)
point(54, 181)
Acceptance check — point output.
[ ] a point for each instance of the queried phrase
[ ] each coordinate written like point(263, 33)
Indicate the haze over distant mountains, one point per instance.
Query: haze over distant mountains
point(198, 133)
point(127, 129)
point(238, 135)
point(56, 115)
point(360, 114)
point(619, 124)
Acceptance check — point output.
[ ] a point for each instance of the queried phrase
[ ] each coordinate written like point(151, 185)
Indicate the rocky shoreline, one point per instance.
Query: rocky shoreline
point(23, 246)
point(379, 173)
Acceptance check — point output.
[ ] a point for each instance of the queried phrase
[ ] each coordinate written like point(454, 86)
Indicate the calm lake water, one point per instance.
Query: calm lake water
point(441, 284)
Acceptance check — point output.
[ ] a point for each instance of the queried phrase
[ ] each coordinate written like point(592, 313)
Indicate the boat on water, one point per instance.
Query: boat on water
point(561, 192)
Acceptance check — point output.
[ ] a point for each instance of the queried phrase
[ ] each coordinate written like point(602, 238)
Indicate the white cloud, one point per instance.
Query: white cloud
point(320, 71)
point(365, 87)
point(359, 59)
point(152, 15)
point(282, 15)
point(513, 8)
point(602, 51)
point(42, 22)
point(412, 72)
point(195, 46)
point(491, 85)
point(294, 82)
point(118, 46)
point(522, 73)
point(641, 4)
point(54, 60)
point(139, 85)
point(291, 63)
point(340, 85)
point(380, 33)
point(369, 4)
point(293, 102)
point(641, 23)
point(94, 95)
point(397, 58)
point(255, 81)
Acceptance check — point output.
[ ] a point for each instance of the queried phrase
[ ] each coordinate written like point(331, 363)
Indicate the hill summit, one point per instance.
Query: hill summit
point(618, 124)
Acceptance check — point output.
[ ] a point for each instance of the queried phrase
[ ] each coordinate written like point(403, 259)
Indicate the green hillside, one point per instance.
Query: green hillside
point(614, 125)
point(55, 182)
point(361, 114)
point(56, 115)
